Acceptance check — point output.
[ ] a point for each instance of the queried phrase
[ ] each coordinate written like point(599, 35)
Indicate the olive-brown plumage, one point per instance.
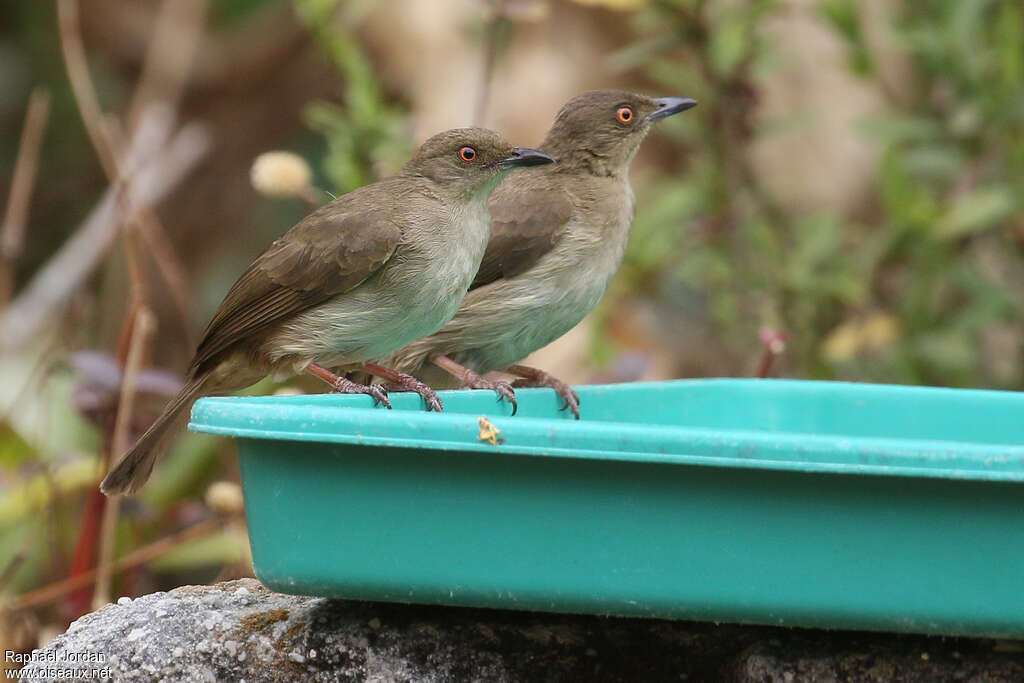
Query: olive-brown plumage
point(558, 236)
point(352, 282)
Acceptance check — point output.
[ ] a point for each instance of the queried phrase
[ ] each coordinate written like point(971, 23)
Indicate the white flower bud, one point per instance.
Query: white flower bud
point(225, 498)
point(281, 174)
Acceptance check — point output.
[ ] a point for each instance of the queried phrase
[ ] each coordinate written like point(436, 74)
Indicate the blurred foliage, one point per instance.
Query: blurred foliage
point(62, 401)
point(365, 136)
point(928, 278)
point(922, 283)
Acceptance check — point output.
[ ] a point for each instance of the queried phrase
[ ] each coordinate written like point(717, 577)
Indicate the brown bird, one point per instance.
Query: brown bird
point(353, 281)
point(557, 237)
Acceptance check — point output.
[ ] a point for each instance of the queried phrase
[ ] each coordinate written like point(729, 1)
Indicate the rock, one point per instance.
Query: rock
point(241, 631)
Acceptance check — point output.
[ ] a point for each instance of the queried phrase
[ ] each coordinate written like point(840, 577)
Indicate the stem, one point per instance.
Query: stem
point(146, 553)
point(142, 331)
point(12, 234)
point(167, 261)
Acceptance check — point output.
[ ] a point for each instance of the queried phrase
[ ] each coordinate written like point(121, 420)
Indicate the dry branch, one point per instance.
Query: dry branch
point(81, 86)
point(12, 234)
point(146, 553)
point(157, 78)
point(157, 175)
point(168, 62)
point(143, 326)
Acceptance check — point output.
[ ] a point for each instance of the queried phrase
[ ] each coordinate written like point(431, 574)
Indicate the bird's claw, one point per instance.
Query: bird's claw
point(433, 402)
point(400, 381)
point(346, 386)
point(505, 392)
point(539, 378)
point(428, 394)
point(380, 395)
point(472, 380)
point(430, 397)
point(570, 400)
point(503, 389)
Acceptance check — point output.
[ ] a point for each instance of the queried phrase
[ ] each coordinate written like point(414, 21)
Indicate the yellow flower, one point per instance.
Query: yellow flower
point(860, 335)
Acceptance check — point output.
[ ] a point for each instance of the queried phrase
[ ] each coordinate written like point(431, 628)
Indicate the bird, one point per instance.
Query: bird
point(351, 282)
point(558, 235)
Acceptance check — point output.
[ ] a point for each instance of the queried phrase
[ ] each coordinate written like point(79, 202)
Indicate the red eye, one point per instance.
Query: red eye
point(467, 154)
point(624, 114)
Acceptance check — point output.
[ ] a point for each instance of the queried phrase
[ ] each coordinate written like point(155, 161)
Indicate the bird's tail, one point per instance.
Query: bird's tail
point(132, 470)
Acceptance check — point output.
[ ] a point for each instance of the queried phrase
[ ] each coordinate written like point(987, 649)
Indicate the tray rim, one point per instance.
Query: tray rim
point(323, 422)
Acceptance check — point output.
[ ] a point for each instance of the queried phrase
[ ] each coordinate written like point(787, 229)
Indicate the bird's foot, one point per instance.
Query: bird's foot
point(408, 383)
point(345, 386)
point(503, 389)
point(532, 377)
point(475, 381)
point(342, 385)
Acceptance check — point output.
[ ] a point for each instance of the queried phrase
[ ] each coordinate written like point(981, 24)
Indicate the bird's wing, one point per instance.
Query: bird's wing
point(526, 223)
point(325, 255)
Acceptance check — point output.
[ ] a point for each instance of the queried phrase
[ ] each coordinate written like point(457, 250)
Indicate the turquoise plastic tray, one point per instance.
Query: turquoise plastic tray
point(767, 501)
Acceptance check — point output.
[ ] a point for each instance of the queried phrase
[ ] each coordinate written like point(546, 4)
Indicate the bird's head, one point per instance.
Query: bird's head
point(471, 161)
point(602, 129)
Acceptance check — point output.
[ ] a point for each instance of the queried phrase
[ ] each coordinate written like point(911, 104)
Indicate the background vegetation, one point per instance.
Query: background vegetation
point(851, 187)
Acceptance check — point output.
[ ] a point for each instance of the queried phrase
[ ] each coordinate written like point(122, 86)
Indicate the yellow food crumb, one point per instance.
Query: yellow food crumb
point(488, 432)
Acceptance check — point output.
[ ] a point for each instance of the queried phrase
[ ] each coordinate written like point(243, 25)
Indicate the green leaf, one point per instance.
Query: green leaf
point(893, 128)
point(844, 16)
point(225, 547)
point(22, 540)
point(937, 162)
point(191, 461)
point(1010, 43)
point(231, 13)
point(316, 12)
point(909, 204)
point(14, 450)
point(729, 45)
point(23, 499)
point(948, 349)
point(976, 211)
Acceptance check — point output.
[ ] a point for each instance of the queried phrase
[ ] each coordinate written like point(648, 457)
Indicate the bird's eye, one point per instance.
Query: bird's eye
point(624, 114)
point(467, 154)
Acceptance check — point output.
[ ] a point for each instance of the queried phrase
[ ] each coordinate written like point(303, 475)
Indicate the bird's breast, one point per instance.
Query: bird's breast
point(441, 269)
point(413, 295)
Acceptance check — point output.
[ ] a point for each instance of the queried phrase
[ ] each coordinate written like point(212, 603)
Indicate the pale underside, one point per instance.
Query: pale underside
point(500, 323)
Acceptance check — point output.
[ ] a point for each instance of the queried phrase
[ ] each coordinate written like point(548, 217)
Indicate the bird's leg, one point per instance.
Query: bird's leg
point(346, 386)
point(409, 382)
point(364, 377)
point(475, 381)
point(532, 377)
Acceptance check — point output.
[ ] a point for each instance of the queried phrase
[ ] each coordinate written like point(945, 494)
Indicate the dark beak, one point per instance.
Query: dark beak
point(667, 106)
point(524, 156)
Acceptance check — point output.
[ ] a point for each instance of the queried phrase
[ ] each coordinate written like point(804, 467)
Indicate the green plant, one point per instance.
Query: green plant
point(924, 286)
point(366, 137)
